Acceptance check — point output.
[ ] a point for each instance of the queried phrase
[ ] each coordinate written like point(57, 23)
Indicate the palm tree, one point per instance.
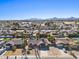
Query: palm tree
point(37, 35)
point(26, 42)
point(24, 36)
point(16, 25)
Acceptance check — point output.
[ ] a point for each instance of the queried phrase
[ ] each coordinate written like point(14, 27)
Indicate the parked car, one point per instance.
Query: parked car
point(2, 51)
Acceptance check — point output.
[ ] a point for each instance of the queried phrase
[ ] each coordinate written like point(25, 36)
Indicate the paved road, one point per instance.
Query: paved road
point(33, 57)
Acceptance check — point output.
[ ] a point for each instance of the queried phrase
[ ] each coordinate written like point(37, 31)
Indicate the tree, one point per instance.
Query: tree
point(38, 35)
point(77, 42)
point(55, 26)
point(25, 36)
point(16, 25)
point(73, 35)
point(50, 38)
point(13, 48)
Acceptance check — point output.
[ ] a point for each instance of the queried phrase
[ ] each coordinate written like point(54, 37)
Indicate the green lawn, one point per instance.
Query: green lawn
point(6, 39)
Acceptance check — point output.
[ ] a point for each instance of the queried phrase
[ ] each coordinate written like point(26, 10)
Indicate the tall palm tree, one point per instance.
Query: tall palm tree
point(24, 36)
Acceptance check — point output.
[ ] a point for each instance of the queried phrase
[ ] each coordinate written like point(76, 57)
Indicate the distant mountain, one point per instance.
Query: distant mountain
point(39, 19)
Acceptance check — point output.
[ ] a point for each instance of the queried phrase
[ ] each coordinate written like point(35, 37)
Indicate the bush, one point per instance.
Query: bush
point(73, 35)
point(28, 52)
point(50, 38)
point(77, 42)
point(13, 48)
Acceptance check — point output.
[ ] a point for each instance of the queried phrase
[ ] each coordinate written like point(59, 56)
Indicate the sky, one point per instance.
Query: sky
point(26, 9)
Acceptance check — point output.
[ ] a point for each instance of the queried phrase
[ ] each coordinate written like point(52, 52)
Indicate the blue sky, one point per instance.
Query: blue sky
point(25, 9)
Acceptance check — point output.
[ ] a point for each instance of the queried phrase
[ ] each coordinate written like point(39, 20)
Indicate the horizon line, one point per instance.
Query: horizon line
point(53, 18)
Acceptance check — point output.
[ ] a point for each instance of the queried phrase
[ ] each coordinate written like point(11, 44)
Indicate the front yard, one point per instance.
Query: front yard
point(16, 53)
